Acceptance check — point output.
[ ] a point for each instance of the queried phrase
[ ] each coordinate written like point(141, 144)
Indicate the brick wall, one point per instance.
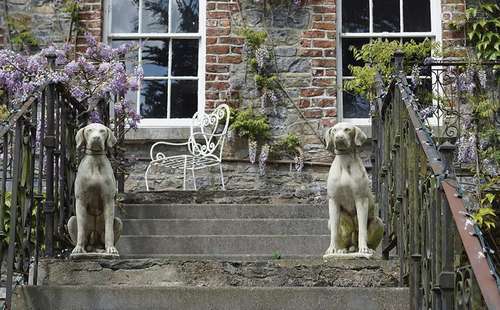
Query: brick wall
point(453, 40)
point(91, 21)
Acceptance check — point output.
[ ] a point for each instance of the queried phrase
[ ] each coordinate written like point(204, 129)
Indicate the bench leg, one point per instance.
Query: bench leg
point(146, 177)
point(194, 178)
point(185, 168)
point(222, 177)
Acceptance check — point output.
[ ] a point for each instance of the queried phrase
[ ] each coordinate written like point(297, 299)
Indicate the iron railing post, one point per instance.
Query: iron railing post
point(50, 144)
point(16, 171)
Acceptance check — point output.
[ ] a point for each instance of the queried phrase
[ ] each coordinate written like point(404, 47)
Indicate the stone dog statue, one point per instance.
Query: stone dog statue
point(353, 225)
point(95, 227)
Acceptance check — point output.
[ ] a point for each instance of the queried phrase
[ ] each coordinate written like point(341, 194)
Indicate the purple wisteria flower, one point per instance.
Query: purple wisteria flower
point(95, 117)
point(467, 152)
point(97, 74)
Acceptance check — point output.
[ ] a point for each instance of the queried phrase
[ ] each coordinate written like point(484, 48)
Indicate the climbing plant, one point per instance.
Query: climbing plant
point(377, 57)
point(482, 27)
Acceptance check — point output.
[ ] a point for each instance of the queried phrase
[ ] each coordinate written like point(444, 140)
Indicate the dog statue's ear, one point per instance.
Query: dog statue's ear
point(80, 138)
point(330, 142)
point(111, 140)
point(359, 136)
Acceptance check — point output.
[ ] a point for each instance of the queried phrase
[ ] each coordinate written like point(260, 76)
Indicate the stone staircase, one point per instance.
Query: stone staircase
point(218, 250)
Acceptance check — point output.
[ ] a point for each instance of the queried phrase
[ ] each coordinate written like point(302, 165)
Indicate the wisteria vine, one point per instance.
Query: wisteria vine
point(98, 73)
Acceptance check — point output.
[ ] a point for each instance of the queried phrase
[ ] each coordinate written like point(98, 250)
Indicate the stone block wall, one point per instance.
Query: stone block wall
point(47, 21)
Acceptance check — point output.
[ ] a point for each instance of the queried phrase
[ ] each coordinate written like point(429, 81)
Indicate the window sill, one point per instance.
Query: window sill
point(157, 134)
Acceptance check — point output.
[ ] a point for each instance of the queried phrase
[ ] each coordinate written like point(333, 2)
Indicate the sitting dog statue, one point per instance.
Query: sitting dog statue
point(353, 225)
point(95, 227)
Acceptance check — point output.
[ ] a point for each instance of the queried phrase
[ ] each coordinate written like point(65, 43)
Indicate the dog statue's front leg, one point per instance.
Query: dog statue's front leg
point(334, 225)
point(362, 205)
point(81, 224)
point(109, 231)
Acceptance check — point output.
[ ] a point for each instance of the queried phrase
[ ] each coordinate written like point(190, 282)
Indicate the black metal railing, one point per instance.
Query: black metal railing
point(443, 261)
point(38, 169)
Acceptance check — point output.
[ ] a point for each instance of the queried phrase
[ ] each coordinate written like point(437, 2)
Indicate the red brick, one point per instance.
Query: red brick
point(329, 53)
point(211, 40)
point(305, 43)
point(211, 68)
point(210, 77)
point(230, 59)
point(311, 92)
point(325, 63)
point(210, 6)
point(323, 43)
point(231, 40)
point(212, 96)
point(223, 6)
point(324, 9)
point(236, 49)
point(329, 17)
point(318, 72)
point(328, 122)
point(217, 49)
point(219, 15)
point(216, 32)
point(323, 82)
point(331, 112)
point(324, 25)
point(327, 102)
point(311, 52)
point(314, 34)
point(217, 85)
point(312, 113)
point(304, 103)
point(331, 72)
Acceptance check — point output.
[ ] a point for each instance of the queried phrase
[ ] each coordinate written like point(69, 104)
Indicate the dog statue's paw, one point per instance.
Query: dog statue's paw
point(330, 250)
point(111, 250)
point(366, 250)
point(78, 250)
point(333, 250)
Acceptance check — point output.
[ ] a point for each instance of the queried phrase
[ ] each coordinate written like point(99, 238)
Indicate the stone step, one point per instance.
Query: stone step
point(271, 273)
point(286, 245)
point(236, 196)
point(220, 211)
point(205, 298)
point(225, 226)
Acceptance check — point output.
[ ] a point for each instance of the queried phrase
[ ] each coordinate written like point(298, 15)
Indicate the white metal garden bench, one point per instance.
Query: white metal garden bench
point(205, 145)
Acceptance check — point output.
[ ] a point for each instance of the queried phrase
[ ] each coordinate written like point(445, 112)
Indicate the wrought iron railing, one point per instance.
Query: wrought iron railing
point(443, 260)
point(38, 168)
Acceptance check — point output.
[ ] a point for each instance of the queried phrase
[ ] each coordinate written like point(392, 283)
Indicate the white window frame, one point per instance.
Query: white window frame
point(435, 33)
point(200, 36)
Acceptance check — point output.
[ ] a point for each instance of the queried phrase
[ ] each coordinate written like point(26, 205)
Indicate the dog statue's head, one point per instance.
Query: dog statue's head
point(95, 138)
point(344, 137)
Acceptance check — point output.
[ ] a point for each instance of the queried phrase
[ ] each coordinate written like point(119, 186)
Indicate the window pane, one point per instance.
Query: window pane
point(155, 16)
point(386, 15)
point(347, 55)
point(184, 100)
point(185, 16)
point(354, 106)
point(124, 16)
point(155, 58)
point(185, 57)
point(355, 16)
point(132, 58)
point(154, 99)
point(417, 16)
